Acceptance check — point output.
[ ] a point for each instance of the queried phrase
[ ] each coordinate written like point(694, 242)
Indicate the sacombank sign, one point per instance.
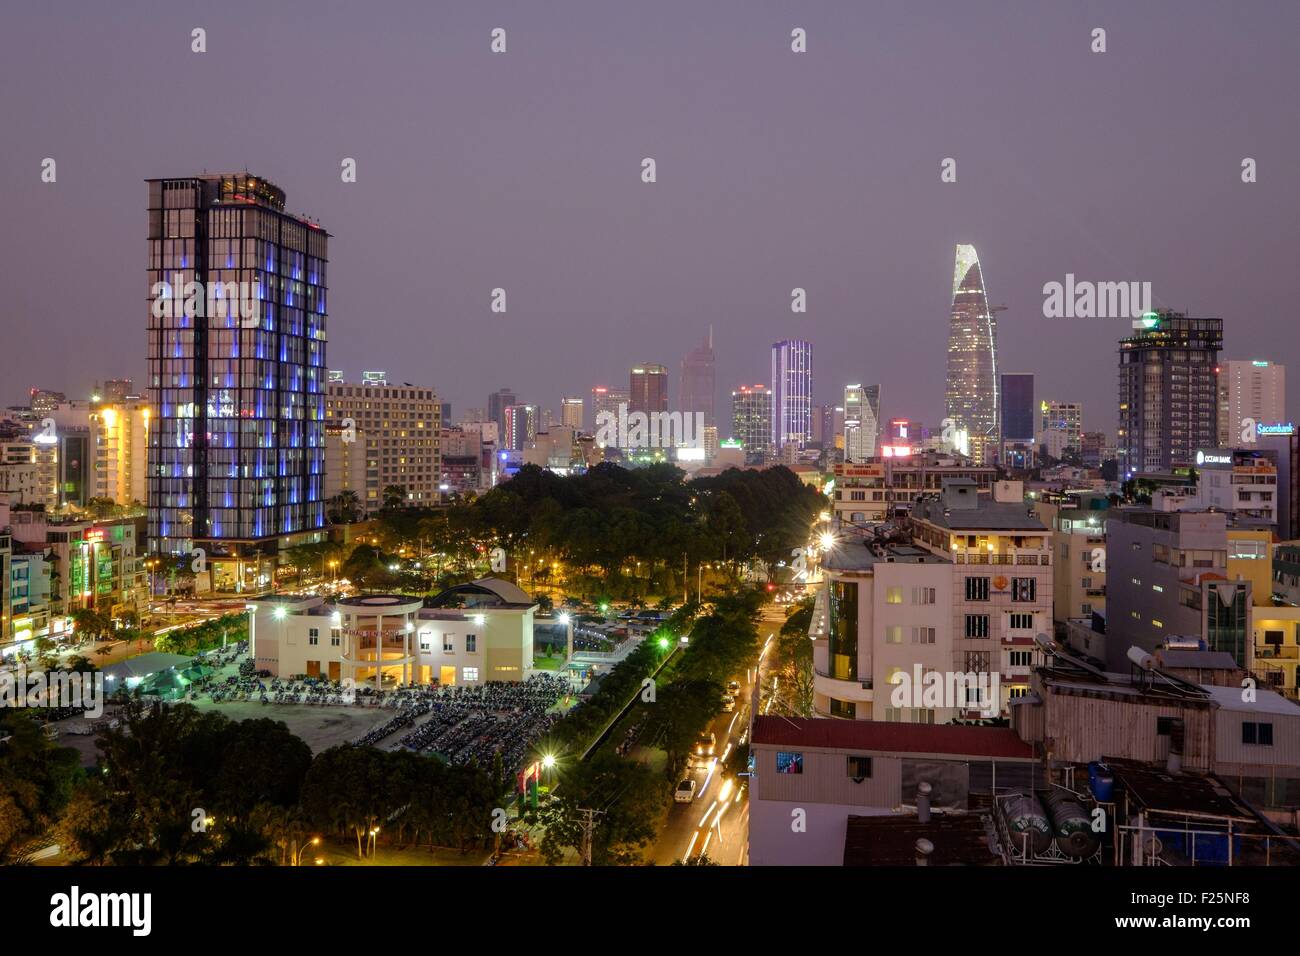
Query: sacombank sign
point(1277, 428)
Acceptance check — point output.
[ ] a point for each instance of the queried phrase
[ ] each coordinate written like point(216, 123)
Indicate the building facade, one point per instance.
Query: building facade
point(792, 369)
point(397, 430)
point(236, 443)
point(1168, 392)
point(973, 398)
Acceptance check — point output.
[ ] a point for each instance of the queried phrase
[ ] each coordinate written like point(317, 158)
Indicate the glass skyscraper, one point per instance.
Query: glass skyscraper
point(237, 394)
point(751, 421)
point(972, 399)
point(696, 391)
point(791, 393)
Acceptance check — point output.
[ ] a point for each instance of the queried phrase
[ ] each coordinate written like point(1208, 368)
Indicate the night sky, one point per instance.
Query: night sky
point(775, 170)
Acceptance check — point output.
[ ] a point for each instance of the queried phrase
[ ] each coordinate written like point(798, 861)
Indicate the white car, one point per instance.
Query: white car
point(728, 703)
point(733, 688)
point(685, 792)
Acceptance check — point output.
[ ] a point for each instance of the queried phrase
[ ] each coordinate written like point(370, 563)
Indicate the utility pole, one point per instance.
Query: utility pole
point(588, 826)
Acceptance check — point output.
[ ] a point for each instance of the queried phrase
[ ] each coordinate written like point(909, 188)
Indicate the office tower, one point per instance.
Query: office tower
point(648, 389)
point(972, 399)
point(861, 422)
point(571, 412)
point(522, 423)
point(1017, 407)
point(1168, 392)
point(751, 421)
point(1251, 393)
point(497, 403)
point(791, 393)
point(399, 428)
point(115, 390)
point(697, 391)
point(607, 399)
point(236, 445)
point(445, 412)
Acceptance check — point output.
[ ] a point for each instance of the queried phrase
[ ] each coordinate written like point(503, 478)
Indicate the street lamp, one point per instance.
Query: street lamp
point(297, 858)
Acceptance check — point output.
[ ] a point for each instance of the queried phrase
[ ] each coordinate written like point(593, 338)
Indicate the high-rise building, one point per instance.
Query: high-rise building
point(522, 424)
point(115, 390)
point(117, 441)
point(751, 421)
point(1017, 424)
point(861, 422)
point(236, 444)
point(792, 364)
point(497, 403)
point(571, 413)
point(1060, 427)
point(972, 400)
point(697, 389)
point(1251, 393)
point(648, 389)
point(1168, 392)
point(606, 400)
point(399, 428)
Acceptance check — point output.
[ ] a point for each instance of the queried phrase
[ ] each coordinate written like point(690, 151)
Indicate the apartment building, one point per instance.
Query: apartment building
point(1167, 577)
point(400, 425)
point(1243, 482)
point(1078, 524)
point(876, 491)
point(1002, 576)
point(961, 589)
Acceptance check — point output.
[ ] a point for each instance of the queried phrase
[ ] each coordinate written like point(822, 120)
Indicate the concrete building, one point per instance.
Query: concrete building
point(1060, 428)
point(347, 465)
point(1078, 525)
point(471, 634)
point(888, 486)
point(1167, 577)
point(836, 770)
point(931, 599)
point(1242, 482)
point(648, 389)
point(1251, 393)
point(400, 425)
point(1168, 392)
point(571, 413)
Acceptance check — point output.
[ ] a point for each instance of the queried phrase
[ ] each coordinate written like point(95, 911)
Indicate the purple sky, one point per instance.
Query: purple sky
point(775, 170)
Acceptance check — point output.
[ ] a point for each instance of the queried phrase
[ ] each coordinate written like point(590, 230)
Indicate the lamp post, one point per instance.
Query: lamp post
point(297, 857)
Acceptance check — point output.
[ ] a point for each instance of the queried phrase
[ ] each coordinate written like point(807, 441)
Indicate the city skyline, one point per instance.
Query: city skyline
point(808, 230)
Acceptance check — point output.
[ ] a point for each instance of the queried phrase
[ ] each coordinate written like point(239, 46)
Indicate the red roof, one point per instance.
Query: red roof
point(837, 734)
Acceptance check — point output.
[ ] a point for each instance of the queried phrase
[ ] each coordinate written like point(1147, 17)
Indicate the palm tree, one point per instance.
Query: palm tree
point(394, 497)
point(345, 507)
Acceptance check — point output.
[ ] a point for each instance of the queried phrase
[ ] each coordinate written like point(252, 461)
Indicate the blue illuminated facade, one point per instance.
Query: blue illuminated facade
point(236, 384)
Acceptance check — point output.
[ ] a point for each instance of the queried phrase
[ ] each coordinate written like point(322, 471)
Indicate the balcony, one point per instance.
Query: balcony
point(1273, 652)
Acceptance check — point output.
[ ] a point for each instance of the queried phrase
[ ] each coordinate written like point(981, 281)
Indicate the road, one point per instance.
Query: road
point(716, 823)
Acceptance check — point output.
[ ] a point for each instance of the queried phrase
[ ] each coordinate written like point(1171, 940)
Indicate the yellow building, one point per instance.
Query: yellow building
point(1250, 556)
point(1277, 649)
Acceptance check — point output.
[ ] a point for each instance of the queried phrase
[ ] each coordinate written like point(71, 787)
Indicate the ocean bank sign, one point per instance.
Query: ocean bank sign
point(1217, 457)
